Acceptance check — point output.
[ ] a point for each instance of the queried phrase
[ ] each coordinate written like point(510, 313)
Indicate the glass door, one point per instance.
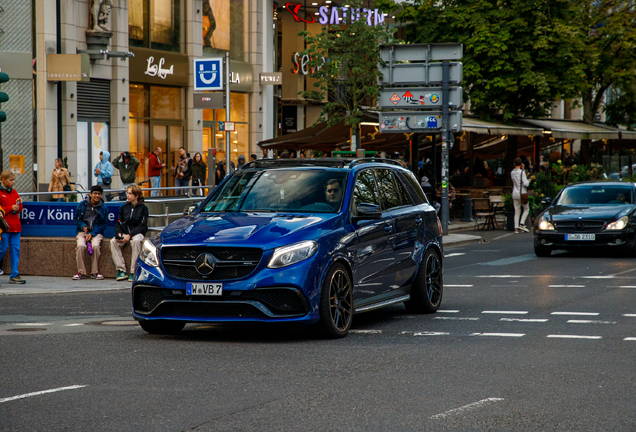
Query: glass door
point(169, 138)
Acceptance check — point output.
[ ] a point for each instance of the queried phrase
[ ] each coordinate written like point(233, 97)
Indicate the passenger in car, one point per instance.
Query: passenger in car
point(621, 198)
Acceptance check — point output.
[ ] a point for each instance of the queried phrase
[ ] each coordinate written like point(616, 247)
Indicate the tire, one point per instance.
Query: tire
point(541, 251)
point(336, 303)
point(428, 286)
point(162, 327)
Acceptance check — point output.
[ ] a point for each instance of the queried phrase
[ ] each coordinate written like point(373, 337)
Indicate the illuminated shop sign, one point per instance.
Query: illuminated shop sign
point(333, 15)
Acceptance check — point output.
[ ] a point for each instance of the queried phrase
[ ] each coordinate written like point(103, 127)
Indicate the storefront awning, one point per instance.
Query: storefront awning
point(569, 129)
point(492, 128)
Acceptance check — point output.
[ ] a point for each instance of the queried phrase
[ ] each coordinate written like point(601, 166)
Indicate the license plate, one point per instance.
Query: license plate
point(580, 237)
point(211, 289)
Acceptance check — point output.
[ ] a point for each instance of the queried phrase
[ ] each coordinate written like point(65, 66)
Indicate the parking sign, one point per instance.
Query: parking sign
point(208, 74)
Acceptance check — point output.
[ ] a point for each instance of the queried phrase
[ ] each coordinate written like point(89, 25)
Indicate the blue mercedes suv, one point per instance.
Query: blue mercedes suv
point(310, 241)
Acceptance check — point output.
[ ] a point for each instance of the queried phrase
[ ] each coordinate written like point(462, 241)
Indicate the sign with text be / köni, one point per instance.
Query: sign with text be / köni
point(208, 74)
point(53, 219)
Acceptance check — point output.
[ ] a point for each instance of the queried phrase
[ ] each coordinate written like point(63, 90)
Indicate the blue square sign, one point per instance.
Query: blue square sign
point(208, 74)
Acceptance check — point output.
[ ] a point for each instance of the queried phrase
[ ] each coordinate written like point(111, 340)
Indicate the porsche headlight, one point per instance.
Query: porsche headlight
point(148, 254)
point(292, 254)
point(617, 225)
point(545, 225)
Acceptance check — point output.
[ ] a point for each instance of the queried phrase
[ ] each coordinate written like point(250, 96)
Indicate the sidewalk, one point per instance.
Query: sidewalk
point(56, 285)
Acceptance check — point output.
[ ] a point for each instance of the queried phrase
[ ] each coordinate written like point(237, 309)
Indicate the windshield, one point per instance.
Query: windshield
point(280, 190)
point(596, 194)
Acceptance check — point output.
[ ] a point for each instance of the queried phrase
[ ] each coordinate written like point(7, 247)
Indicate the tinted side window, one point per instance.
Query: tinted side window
point(406, 200)
point(388, 189)
point(415, 187)
point(365, 190)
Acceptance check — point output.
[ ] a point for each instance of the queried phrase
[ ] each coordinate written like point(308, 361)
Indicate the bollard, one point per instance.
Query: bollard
point(468, 210)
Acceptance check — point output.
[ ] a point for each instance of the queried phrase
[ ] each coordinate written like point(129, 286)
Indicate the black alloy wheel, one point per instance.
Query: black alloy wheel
point(336, 303)
point(541, 251)
point(428, 287)
point(162, 327)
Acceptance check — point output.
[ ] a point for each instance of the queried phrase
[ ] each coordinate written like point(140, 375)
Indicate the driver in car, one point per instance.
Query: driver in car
point(621, 198)
point(333, 193)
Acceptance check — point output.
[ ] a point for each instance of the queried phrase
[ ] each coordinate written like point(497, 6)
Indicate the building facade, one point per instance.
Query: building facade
point(136, 96)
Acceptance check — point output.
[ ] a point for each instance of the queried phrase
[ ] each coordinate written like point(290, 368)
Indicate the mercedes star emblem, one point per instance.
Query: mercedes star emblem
point(205, 263)
point(579, 226)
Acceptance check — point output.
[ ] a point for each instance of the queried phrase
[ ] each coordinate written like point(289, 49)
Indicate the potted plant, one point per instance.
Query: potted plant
point(509, 208)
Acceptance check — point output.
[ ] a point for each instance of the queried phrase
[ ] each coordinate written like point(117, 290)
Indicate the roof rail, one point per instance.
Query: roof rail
point(282, 163)
point(374, 159)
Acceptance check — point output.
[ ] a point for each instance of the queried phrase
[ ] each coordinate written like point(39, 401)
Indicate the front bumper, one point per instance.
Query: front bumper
point(289, 294)
point(556, 239)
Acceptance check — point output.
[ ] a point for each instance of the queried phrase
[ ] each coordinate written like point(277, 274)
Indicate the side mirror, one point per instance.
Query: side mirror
point(546, 201)
point(189, 209)
point(367, 211)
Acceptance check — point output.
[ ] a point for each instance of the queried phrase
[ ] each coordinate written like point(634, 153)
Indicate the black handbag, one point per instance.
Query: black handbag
point(66, 188)
point(106, 181)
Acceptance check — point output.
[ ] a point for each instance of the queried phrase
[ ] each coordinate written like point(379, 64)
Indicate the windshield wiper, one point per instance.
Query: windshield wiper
point(260, 210)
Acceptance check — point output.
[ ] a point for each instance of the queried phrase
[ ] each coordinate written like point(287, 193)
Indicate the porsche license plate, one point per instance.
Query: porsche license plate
point(588, 237)
point(209, 289)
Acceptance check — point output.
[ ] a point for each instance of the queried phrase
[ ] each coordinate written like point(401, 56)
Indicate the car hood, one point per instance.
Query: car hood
point(246, 229)
point(587, 212)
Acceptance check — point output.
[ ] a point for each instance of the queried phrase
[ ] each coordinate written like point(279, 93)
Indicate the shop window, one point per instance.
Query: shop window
point(155, 24)
point(221, 34)
point(165, 102)
point(138, 95)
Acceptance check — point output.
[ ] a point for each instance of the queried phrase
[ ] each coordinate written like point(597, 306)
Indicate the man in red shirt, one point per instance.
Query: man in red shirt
point(154, 170)
point(11, 202)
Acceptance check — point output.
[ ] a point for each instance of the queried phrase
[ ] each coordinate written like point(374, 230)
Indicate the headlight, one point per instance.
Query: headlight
point(545, 225)
point(617, 225)
point(148, 254)
point(288, 255)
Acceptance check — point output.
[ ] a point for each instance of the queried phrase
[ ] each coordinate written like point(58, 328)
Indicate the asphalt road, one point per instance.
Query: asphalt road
point(521, 344)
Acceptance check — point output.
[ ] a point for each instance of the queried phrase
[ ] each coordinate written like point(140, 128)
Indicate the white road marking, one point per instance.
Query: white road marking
point(33, 324)
point(468, 407)
point(26, 395)
point(426, 333)
point(72, 325)
point(629, 315)
point(366, 331)
point(630, 339)
point(575, 313)
point(500, 237)
point(597, 277)
point(454, 254)
point(499, 334)
point(502, 276)
point(623, 286)
point(591, 322)
point(506, 312)
point(522, 320)
point(456, 318)
point(457, 286)
point(448, 311)
point(573, 337)
point(566, 286)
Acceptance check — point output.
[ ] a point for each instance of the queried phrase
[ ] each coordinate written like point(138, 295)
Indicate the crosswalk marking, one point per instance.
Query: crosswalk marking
point(523, 320)
point(575, 313)
point(506, 312)
point(590, 322)
point(573, 337)
point(499, 334)
point(566, 286)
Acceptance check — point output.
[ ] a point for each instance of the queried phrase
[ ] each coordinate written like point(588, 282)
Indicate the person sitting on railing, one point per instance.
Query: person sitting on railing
point(91, 218)
point(131, 227)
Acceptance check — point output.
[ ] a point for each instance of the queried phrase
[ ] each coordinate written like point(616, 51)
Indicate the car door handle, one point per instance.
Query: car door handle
point(388, 228)
point(418, 221)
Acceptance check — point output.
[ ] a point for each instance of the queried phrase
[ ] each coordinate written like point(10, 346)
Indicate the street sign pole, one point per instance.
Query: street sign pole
point(445, 143)
point(228, 137)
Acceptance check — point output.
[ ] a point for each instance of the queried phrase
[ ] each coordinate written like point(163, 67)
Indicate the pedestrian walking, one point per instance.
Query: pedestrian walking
point(199, 172)
point(183, 172)
point(220, 172)
point(91, 219)
point(520, 185)
point(241, 162)
point(104, 169)
point(60, 180)
point(131, 227)
point(155, 167)
point(127, 165)
point(11, 203)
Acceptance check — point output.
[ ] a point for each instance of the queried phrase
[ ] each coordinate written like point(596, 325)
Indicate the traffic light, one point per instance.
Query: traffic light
point(3, 96)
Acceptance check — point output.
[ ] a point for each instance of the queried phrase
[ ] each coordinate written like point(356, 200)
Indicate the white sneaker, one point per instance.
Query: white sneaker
point(523, 228)
point(1, 272)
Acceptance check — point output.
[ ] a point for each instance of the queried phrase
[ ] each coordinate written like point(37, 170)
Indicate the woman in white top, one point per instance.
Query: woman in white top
point(520, 185)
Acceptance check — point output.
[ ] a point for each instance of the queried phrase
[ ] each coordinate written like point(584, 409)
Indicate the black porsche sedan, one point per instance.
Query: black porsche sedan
point(588, 215)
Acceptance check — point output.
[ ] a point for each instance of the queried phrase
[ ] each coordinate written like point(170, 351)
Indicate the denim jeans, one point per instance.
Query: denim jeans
point(11, 241)
point(181, 182)
point(155, 182)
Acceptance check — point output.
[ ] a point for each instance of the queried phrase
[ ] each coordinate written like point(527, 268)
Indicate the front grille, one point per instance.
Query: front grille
point(232, 263)
point(587, 226)
point(208, 310)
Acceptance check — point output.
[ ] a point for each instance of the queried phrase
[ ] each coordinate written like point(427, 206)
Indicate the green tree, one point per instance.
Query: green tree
point(515, 63)
point(344, 60)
